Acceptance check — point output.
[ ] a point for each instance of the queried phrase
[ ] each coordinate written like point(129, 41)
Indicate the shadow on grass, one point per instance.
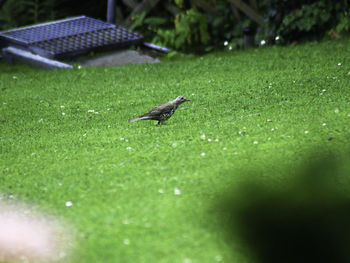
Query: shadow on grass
point(306, 221)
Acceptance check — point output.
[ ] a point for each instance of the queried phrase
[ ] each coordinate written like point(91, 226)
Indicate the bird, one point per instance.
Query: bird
point(162, 112)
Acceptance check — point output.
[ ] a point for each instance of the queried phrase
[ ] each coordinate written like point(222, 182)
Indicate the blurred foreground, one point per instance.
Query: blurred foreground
point(306, 219)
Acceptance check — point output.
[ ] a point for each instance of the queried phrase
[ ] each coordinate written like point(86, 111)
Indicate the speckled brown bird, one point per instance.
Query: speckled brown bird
point(163, 111)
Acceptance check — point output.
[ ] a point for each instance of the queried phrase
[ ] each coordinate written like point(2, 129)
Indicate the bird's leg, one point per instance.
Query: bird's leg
point(158, 123)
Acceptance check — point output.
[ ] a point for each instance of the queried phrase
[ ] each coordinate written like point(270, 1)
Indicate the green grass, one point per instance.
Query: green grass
point(267, 108)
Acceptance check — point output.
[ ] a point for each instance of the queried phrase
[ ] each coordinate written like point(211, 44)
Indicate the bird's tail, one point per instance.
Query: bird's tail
point(139, 118)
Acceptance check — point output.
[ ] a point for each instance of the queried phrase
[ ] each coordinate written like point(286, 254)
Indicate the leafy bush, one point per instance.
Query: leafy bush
point(190, 30)
point(303, 19)
point(17, 13)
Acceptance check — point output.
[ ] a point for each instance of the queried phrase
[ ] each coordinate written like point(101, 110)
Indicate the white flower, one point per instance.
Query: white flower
point(216, 140)
point(306, 132)
point(224, 149)
point(84, 134)
point(174, 144)
point(225, 43)
point(69, 203)
point(203, 154)
point(62, 106)
point(161, 191)
point(255, 142)
point(336, 110)
point(324, 124)
point(126, 241)
point(209, 140)
point(96, 112)
point(63, 113)
point(272, 129)
point(41, 120)
point(177, 191)
point(339, 64)
point(203, 136)
point(128, 148)
point(230, 48)
point(277, 38)
point(262, 42)
point(91, 111)
point(122, 139)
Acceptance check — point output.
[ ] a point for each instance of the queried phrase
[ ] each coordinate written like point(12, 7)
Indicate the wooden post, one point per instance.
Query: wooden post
point(248, 11)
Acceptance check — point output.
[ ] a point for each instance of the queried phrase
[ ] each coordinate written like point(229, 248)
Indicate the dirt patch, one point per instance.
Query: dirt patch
point(116, 58)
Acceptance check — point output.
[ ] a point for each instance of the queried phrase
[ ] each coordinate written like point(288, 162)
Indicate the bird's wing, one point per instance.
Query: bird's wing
point(160, 109)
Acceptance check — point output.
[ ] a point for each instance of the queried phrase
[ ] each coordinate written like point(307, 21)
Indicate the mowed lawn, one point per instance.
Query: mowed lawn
point(147, 193)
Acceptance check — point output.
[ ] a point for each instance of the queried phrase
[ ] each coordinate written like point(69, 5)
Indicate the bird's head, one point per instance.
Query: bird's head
point(180, 99)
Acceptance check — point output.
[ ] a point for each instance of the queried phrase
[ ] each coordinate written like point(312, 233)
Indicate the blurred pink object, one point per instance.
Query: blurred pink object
point(28, 236)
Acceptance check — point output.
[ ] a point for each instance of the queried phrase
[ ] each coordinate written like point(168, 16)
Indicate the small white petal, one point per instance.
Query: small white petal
point(262, 42)
point(339, 64)
point(209, 140)
point(225, 43)
point(128, 148)
point(255, 142)
point(84, 134)
point(69, 203)
point(216, 140)
point(122, 139)
point(63, 113)
point(202, 154)
point(161, 191)
point(41, 120)
point(306, 132)
point(336, 110)
point(324, 124)
point(177, 191)
point(203, 136)
point(91, 111)
point(224, 149)
point(62, 106)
